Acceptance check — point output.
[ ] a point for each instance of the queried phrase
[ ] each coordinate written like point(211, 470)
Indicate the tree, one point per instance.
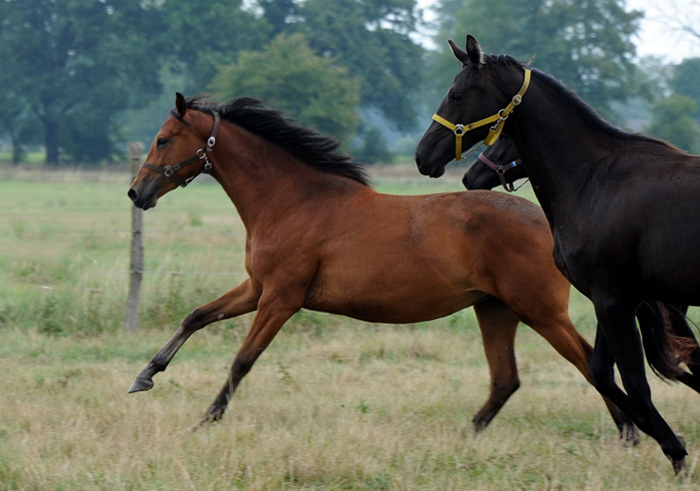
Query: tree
point(672, 121)
point(372, 38)
point(278, 13)
point(288, 75)
point(587, 45)
point(684, 81)
point(76, 61)
point(374, 149)
point(201, 37)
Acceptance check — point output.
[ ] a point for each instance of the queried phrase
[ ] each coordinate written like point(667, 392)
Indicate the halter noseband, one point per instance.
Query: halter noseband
point(201, 154)
point(501, 171)
point(499, 119)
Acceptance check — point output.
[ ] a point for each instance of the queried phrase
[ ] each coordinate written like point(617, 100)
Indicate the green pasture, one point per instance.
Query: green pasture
point(333, 404)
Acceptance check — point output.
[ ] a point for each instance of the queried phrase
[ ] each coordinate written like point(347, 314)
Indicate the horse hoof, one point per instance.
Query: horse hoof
point(206, 421)
point(680, 467)
point(630, 436)
point(141, 384)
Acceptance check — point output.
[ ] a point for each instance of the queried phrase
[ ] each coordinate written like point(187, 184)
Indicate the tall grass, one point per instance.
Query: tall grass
point(333, 404)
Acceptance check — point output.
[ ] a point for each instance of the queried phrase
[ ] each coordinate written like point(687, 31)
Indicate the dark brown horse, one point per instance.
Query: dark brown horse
point(319, 238)
point(498, 165)
point(495, 167)
point(623, 209)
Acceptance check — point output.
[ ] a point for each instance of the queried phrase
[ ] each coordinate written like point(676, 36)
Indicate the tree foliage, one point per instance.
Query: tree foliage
point(587, 45)
point(672, 121)
point(202, 36)
point(75, 62)
point(372, 38)
point(684, 81)
point(288, 75)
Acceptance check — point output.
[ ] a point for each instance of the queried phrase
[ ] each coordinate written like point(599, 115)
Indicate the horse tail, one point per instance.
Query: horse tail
point(668, 340)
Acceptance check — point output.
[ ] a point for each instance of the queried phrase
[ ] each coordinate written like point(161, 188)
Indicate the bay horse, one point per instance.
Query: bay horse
point(622, 208)
point(319, 237)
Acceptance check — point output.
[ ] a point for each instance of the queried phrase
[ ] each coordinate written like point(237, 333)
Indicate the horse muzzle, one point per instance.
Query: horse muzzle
point(143, 196)
point(427, 168)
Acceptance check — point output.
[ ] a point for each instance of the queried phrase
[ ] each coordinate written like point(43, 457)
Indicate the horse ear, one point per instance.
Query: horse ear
point(459, 53)
point(474, 50)
point(180, 104)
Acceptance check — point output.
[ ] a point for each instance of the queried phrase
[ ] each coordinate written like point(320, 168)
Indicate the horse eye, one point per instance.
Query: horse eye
point(456, 96)
point(161, 142)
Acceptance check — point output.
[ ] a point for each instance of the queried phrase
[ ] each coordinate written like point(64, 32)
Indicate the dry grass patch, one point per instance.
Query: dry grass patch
point(356, 407)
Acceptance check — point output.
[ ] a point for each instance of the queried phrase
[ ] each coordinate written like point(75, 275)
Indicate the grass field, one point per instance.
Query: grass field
point(333, 404)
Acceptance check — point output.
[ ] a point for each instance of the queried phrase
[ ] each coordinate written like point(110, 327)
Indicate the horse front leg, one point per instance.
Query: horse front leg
point(272, 313)
point(620, 342)
point(241, 300)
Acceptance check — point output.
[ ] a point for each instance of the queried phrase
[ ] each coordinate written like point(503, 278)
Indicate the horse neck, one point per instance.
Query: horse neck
point(561, 147)
point(262, 180)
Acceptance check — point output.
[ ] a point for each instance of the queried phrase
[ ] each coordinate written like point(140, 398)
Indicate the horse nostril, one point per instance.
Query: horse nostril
point(132, 194)
point(417, 159)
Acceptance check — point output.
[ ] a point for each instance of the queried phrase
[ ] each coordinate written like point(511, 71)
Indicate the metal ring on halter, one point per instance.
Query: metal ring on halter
point(168, 171)
point(459, 130)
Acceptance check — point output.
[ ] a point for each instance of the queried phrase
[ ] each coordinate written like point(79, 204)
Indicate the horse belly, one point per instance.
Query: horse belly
point(391, 295)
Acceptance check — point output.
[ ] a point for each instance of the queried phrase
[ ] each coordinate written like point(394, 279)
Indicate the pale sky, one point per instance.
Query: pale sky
point(659, 33)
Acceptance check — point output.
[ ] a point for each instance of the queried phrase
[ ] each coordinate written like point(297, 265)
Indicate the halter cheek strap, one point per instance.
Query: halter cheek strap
point(501, 171)
point(499, 118)
point(169, 171)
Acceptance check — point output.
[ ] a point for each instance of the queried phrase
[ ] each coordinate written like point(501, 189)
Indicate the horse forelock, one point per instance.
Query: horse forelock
point(309, 146)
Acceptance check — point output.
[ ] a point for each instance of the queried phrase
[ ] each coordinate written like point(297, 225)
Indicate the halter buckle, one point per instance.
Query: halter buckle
point(207, 165)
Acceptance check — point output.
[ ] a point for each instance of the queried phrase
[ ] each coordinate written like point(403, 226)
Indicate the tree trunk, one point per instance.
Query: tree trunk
point(16, 148)
point(51, 141)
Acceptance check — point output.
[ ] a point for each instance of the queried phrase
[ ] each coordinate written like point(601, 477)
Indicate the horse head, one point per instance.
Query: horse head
point(475, 108)
point(497, 165)
point(178, 154)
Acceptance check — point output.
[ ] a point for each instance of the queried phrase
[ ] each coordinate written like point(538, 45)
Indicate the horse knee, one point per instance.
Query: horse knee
point(194, 320)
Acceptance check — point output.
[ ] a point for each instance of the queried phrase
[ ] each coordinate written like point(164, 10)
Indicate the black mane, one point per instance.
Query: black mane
point(311, 147)
point(583, 109)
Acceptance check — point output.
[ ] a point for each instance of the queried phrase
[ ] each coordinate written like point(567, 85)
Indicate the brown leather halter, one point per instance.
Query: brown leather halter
point(201, 154)
point(501, 169)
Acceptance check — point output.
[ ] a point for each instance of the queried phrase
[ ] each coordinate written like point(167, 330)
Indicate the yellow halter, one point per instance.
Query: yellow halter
point(499, 118)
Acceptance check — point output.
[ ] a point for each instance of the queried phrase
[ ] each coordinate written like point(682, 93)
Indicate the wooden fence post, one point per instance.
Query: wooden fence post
point(136, 268)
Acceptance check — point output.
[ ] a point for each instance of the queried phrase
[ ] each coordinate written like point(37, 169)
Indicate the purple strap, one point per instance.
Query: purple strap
point(501, 170)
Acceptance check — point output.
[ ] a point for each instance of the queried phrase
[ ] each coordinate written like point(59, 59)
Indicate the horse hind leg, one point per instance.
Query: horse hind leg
point(555, 326)
point(618, 336)
point(269, 319)
point(498, 326)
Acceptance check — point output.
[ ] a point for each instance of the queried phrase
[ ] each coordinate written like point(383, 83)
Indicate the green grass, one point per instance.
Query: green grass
point(333, 403)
